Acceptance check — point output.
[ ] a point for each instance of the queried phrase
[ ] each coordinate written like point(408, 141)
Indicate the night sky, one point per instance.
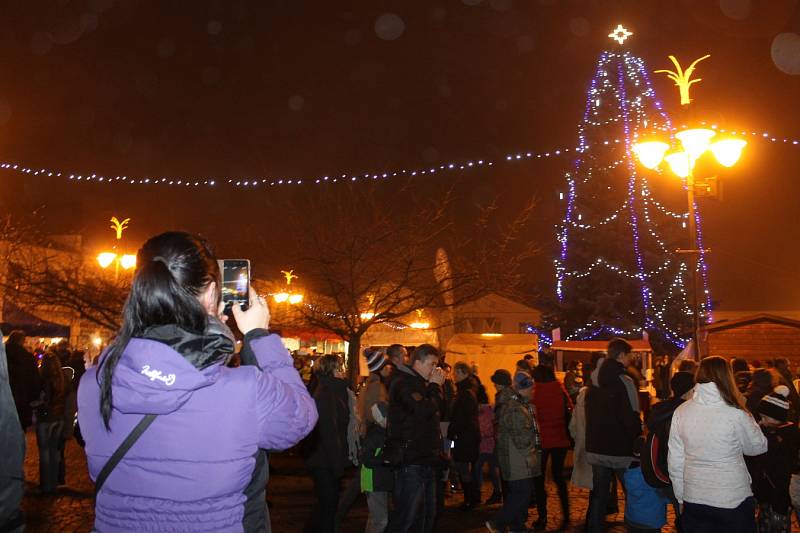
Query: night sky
point(218, 89)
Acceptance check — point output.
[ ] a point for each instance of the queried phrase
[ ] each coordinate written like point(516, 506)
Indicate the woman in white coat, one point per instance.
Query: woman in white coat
point(709, 437)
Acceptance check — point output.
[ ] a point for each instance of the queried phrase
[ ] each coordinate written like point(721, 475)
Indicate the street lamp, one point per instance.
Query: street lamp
point(293, 298)
point(125, 261)
point(695, 142)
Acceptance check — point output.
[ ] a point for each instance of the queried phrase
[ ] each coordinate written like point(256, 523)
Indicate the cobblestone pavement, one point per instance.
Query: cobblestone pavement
point(290, 492)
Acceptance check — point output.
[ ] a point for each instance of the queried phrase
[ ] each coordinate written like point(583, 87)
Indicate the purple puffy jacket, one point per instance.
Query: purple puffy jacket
point(188, 471)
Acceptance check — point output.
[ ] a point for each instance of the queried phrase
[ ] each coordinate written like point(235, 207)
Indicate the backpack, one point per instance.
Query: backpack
point(653, 457)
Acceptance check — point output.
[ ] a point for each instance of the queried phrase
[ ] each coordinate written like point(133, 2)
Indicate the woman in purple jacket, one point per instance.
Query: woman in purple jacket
point(198, 465)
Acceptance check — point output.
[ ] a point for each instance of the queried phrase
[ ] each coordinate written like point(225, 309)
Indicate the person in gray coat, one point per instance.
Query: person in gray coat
point(12, 442)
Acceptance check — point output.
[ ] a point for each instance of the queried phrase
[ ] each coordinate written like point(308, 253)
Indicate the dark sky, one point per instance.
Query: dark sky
point(295, 88)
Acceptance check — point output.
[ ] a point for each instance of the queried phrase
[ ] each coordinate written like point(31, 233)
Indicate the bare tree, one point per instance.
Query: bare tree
point(368, 260)
point(40, 273)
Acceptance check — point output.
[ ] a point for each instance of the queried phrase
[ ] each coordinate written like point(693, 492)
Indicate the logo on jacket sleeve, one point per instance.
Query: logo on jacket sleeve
point(166, 379)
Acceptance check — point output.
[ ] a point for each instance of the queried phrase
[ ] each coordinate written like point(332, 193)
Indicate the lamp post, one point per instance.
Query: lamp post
point(126, 261)
point(695, 142)
point(287, 295)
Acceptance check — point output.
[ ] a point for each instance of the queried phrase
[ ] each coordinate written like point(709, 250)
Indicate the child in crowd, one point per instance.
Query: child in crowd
point(645, 506)
point(487, 456)
point(377, 479)
point(774, 469)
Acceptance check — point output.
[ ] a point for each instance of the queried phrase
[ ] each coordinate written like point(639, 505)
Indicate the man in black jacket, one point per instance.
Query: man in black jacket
point(612, 424)
point(466, 434)
point(23, 377)
point(413, 429)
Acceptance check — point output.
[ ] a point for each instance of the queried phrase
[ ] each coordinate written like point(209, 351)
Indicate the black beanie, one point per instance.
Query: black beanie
point(681, 383)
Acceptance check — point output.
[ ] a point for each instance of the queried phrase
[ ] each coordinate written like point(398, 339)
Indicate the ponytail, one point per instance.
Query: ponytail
point(173, 269)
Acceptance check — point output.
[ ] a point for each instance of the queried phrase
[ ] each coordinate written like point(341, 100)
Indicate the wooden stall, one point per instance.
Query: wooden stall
point(756, 337)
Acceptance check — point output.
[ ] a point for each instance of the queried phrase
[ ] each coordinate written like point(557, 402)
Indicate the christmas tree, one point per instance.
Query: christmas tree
point(617, 271)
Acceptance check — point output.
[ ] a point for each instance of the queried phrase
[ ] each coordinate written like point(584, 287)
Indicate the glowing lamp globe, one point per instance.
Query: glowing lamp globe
point(420, 325)
point(106, 258)
point(695, 141)
point(680, 163)
point(295, 298)
point(128, 261)
point(728, 151)
point(281, 297)
point(367, 316)
point(650, 153)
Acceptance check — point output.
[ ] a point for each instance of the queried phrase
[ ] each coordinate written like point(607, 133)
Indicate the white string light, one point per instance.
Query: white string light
point(251, 182)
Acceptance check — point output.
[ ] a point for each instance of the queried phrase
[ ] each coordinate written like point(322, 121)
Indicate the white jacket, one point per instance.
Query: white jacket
point(707, 441)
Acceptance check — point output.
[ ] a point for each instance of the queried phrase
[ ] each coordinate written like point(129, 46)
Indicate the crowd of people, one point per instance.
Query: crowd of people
point(178, 426)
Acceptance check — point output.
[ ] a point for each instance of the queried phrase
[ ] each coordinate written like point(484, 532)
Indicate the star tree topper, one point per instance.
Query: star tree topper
point(620, 33)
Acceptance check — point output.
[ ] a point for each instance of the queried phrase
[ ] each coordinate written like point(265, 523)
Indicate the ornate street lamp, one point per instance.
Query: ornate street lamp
point(694, 142)
point(125, 261)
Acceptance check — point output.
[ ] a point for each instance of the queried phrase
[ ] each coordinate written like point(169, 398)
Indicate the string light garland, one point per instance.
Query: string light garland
point(253, 182)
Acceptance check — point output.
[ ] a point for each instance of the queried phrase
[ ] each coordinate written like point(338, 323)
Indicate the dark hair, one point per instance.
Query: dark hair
point(422, 352)
point(543, 374)
point(763, 379)
point(481, 395)
point(573, 365)
point(739, 365)
point(462, 367)
point(395, 351)
point(524, 365)
point(718, 370)
point(52, 373)
point(172, 270)
point(327, 365)
point(528, 357)
point(687, 365)
point(617, 347)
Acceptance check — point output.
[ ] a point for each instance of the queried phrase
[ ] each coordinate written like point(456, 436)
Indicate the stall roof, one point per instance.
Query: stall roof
point(752, 319)
point(308, 334)
point(32, 325)
point(639, 345)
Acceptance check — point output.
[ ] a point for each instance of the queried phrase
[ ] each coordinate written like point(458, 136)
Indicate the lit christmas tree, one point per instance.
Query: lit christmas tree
point(617, 272)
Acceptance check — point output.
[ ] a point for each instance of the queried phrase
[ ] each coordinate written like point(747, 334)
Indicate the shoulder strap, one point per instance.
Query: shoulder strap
point(121, 451)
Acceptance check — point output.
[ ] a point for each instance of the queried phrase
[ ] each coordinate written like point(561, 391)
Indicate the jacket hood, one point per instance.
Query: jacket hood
point(707, 394)
point(609, 372)
point(153, 378)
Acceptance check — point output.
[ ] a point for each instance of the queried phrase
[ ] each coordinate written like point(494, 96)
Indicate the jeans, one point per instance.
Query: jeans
point(794, 494)
point(378, 505)
point(698, 518)
point(598, 497)
point(414, 500)
point(494, 471)
point(48, 439)
point(326, 486)
point(514, 512)
point(352, 490)
point(557, 469)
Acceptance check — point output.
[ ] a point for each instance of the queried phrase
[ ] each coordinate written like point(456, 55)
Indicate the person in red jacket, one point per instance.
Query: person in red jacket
point(553, 406)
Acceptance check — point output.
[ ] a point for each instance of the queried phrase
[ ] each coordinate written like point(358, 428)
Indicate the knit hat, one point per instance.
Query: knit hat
point(522, 380)
point(376, 359)
point(774, 405)
point(501, 377)
point(681, 383)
